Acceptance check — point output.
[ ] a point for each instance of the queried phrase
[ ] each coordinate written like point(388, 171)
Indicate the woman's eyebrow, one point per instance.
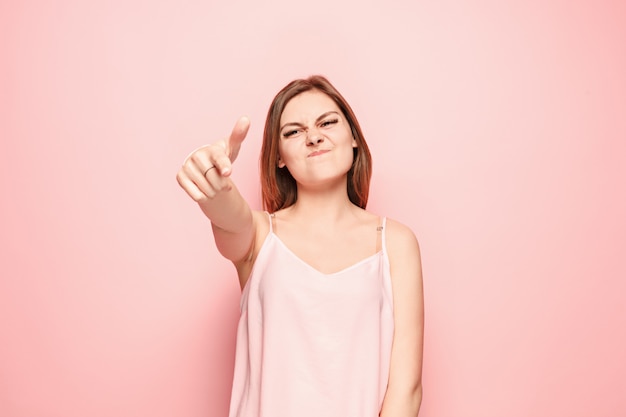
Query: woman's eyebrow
point(326, 114)
point(316, 120)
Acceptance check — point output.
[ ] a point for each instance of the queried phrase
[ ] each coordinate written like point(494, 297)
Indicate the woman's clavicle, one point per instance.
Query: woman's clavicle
point(331, 252)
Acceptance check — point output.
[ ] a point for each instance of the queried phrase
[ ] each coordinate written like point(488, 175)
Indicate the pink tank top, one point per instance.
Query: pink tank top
point(311, 344)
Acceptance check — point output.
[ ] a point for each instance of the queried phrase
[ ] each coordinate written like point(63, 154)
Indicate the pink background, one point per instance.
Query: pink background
point(499, 135)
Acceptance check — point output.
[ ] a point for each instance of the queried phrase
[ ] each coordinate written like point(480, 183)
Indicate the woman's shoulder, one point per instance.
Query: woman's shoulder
point(400, 237)
point(404, 255)
point(261, 221)
point(397, 234)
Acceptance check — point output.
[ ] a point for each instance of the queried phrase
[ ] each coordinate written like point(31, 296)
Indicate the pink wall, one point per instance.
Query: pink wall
point(499, 135)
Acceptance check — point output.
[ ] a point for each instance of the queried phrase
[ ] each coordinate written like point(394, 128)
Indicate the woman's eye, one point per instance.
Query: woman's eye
point(290, 133)
point(330, 122)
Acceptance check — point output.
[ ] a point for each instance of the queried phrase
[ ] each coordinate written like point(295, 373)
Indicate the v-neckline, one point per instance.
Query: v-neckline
point(311, 267)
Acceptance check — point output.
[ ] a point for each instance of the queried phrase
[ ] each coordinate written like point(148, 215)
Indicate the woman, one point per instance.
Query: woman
point(332, 307)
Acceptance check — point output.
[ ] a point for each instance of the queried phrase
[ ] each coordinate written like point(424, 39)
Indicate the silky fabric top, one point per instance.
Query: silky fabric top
point(311, 344)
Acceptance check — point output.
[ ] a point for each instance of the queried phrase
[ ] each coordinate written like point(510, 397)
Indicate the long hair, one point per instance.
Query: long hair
point(278, 187)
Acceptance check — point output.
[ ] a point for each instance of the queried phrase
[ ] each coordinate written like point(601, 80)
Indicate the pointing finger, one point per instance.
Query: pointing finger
point(240, 130)
point(233, 143)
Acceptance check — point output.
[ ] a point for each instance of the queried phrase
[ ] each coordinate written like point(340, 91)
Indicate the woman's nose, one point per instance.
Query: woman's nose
point(314, 138)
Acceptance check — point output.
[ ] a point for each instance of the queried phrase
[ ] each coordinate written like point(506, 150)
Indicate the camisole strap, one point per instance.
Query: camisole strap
point(383, 228)
point(271, 220)
point(380, 235)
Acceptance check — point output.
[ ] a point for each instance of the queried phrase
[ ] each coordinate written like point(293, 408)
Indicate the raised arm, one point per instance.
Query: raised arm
point(404, 390)
point(205, 176)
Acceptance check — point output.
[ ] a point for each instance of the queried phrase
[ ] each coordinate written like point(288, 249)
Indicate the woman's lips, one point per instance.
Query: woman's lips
point(320, 152)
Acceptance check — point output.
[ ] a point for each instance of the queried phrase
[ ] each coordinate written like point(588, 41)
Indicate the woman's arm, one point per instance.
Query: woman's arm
point(205, 176)
point(404, 391)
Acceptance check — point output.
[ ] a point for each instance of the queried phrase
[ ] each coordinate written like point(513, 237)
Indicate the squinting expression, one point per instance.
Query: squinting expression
point(315, 138)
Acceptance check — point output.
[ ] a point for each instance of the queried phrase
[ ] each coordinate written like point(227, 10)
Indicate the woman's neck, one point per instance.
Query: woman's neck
point(328, 205)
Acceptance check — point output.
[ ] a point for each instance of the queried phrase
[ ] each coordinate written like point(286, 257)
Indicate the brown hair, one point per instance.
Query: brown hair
point(278, 187)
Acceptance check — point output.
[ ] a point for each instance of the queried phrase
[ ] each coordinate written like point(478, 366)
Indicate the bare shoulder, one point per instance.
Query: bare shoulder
point(261, 220)
point(404, 256)
point(400, 239)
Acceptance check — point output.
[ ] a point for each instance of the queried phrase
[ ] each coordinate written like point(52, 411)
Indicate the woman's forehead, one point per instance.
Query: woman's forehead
point(308, 105)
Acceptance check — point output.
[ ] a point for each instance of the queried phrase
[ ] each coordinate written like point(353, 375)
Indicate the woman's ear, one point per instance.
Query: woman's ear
point(280, 162)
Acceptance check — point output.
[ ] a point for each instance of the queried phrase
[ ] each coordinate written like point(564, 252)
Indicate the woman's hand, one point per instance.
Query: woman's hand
point(205, 172)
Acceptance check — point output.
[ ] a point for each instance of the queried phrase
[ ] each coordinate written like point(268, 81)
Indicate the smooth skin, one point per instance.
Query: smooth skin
point(316, 146)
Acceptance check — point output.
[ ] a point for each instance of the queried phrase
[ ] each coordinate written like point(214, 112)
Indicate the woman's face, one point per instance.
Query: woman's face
point(315, 139)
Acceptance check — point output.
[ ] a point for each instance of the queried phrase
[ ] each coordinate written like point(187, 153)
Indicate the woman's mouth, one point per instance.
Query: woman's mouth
point(320, 152)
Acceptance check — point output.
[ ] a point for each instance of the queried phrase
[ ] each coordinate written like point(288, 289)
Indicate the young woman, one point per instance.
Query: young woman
point(332, 308)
